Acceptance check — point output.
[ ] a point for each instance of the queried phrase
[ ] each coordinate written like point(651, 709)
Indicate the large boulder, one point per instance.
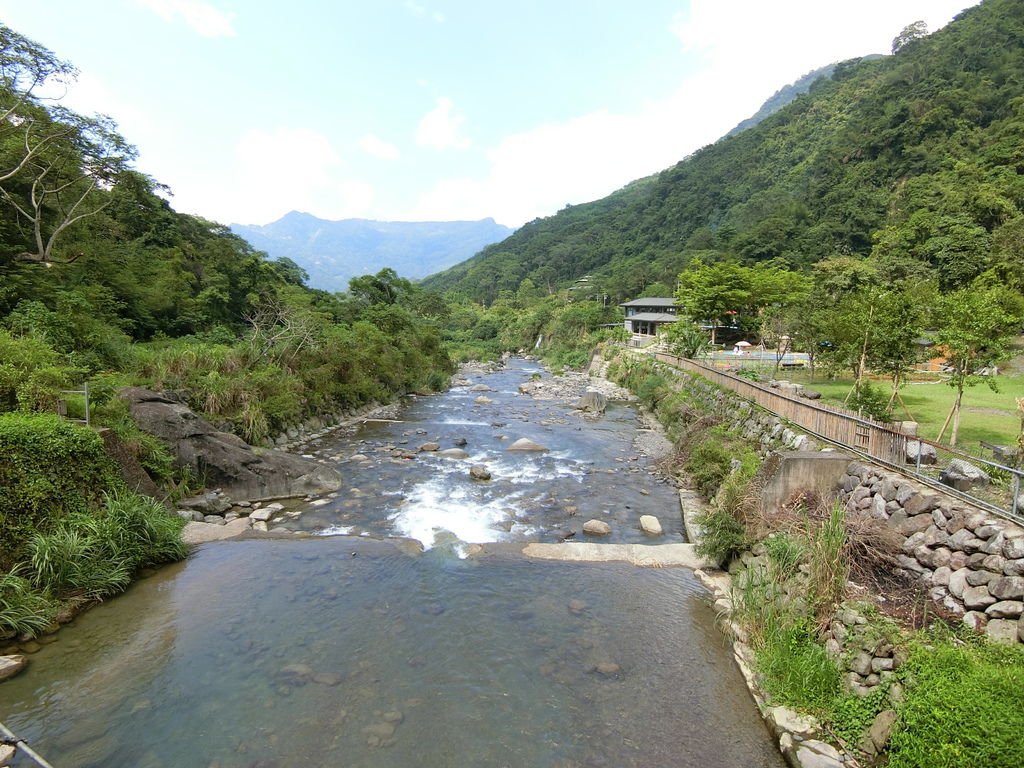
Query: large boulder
point(221, 459)
point(915, 447)
point(596, 528)
point(592, 401)
point(963, 476)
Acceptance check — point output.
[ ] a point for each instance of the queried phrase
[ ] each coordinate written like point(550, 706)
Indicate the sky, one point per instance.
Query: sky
point(419, 110)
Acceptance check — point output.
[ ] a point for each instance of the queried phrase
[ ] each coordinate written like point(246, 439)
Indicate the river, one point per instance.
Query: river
point(360, 647)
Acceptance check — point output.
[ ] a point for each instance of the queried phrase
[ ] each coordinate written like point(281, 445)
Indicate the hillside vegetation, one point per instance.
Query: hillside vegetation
point(913, 160)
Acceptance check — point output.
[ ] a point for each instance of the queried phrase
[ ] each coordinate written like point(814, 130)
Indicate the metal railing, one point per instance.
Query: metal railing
point(8, 738)
point(62, 404)
point(922, 459)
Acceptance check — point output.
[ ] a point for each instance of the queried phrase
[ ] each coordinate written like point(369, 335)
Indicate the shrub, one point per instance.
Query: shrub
point(49, 469)
point(96, 555)
point(708, 465)
point(23, 610)
point(724, 536)
point(797, 671)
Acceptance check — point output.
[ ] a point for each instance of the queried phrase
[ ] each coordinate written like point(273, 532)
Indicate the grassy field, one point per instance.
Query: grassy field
point(987, 415)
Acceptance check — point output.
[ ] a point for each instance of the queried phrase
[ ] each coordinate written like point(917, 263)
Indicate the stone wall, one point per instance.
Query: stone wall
point(761, 428)
point(971, 561)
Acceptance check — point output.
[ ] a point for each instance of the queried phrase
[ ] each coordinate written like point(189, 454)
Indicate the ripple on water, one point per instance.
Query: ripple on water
point(286, 652)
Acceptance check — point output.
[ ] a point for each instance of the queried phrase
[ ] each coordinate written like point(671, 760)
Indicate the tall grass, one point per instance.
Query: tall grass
point(23, 610)
point(92, 556)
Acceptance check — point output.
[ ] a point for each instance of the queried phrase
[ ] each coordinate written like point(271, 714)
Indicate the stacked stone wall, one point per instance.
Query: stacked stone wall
point(971, 561)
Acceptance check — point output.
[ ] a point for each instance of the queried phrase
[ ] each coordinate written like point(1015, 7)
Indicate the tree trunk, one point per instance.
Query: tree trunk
point(956, 417)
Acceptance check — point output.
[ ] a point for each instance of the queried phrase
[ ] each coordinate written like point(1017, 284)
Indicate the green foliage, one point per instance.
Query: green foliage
point(797, 671)
point(49, 470)
point(707, 465)
point(870, 401)
point(964, 709)
point(828, 565)
point(23, 610)
point(724, 535)
point(687, 339)
point(910, 160)
point(94, 555)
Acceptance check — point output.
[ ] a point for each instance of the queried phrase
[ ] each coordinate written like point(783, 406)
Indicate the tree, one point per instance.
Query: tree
point(708, 291)
point(686, 339)
point(52, 160)
point(910, 33)
point(25, 66)
point(974, 333)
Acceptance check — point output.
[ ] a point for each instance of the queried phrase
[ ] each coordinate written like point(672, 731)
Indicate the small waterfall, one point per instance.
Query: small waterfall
point(540, 338)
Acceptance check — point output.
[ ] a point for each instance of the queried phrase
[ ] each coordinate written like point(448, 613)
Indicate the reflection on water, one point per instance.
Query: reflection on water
point(592, 470)
point(335, 652)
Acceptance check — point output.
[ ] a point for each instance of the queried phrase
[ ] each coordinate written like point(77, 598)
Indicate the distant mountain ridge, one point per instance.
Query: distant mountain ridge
point(333, 252)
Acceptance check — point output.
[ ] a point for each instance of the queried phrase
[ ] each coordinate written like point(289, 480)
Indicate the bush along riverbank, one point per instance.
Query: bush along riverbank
point(848, 655)
point(71, 532)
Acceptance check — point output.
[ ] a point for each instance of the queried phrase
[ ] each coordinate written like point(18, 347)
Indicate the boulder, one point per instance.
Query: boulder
point(928, 453)
point(963, 476)
point(429, 447)
point(1002, 631)
point(11, 665)
point(212, 503)
point(524, 444)
point(1007, 588)
point(593, 402)
point(598, 528)
point(977, 598)
point(881, 729)
point(222, 459)
point(7, 753)
point(453, 453)
point(483, 400)
point(1006, 609)
point(479, 472)
point(480, 388)
point(650, 525)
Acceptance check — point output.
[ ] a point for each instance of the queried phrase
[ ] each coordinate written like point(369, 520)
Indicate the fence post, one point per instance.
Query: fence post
point(1016, 494)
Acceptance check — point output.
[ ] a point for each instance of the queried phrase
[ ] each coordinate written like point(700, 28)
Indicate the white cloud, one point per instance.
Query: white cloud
point(441, 127)
point(422, 11)
point(748, 49)
point(377, 147)
point(204, 18)
point(275, 172)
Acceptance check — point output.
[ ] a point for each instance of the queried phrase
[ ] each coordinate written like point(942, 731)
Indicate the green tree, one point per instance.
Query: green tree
point(687, 339)
point(974, 331)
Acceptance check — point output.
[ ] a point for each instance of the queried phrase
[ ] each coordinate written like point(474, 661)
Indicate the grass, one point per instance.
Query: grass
point(987, 415)
point(965, 708)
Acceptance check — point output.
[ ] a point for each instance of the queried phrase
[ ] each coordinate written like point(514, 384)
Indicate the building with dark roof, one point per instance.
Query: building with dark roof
point(646, 316)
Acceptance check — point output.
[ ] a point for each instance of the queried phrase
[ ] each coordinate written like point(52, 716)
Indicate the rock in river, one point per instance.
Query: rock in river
point(479, 472)
point(650, 525)
point(11, 665)
point(524, 444)
point(453, 453)
point(597, 528)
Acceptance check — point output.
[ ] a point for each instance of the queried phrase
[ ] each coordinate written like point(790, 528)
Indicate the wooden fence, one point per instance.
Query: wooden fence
point(874, 440)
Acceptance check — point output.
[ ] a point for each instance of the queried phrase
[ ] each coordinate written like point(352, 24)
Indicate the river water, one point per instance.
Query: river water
point(360, 650)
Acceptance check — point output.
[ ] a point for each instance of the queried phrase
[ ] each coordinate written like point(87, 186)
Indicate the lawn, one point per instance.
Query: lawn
point(987, 415)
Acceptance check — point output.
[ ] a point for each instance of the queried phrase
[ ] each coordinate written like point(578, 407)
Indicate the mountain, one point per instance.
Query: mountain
point(784, 96)
point(332, 252)
point(913, 158)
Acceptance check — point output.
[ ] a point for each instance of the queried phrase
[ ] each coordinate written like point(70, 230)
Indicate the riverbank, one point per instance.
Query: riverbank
point(835, 632)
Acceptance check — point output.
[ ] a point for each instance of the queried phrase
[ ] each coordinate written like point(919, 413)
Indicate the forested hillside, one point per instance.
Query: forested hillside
point(101, 280)
point(913, 159)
